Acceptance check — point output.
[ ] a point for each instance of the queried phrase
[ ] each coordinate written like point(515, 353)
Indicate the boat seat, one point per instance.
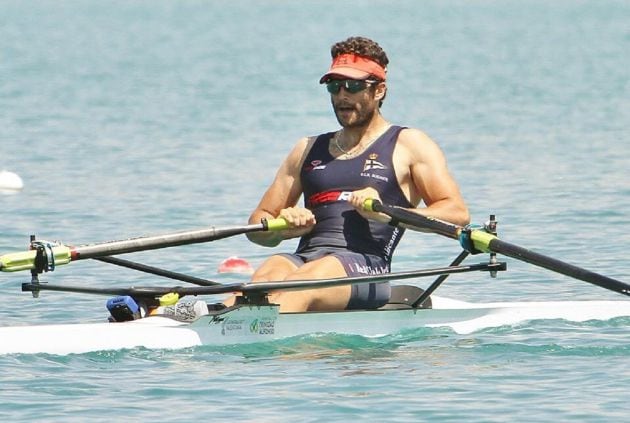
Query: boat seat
point(403, 296)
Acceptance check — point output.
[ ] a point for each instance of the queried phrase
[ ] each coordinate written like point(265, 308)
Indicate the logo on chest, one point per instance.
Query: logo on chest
point(371, 165)
point(314, 165)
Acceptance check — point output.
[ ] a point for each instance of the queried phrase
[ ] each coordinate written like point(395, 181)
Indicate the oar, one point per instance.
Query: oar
point(51, 255)
point(481, 241)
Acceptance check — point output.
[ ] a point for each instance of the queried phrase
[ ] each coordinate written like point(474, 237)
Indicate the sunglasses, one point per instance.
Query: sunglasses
point(353, 86)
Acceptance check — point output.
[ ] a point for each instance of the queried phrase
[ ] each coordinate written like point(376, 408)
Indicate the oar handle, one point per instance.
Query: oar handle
point(277, 224)
point(371, 205)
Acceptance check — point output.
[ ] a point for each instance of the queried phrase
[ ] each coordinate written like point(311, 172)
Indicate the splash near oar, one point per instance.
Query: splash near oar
point(478, 240)
point(45, 256)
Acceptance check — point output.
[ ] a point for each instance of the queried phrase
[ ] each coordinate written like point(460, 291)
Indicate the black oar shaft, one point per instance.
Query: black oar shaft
point(416, 221)
point(550, 263)
point(490, 243)
point(160, 241)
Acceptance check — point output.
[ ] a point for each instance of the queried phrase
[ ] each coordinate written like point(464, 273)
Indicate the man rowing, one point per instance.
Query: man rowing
point(336, 172)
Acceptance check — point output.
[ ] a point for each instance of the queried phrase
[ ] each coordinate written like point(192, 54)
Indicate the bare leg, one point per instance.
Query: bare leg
point(275, 268)
point(335, 298)
point(279, 268)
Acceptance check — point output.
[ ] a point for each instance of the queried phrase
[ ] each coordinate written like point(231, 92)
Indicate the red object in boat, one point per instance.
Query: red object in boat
point(235, 265)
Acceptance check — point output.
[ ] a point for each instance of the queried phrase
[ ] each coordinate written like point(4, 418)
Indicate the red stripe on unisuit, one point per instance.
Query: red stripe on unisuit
point(326, 197)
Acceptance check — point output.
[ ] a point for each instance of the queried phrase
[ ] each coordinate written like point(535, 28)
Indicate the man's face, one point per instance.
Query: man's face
point(353, 109)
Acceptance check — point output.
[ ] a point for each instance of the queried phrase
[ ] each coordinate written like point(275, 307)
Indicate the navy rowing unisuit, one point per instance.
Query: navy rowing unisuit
point(364, 247)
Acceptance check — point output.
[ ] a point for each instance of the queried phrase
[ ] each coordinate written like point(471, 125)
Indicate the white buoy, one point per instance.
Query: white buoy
point(10, 182)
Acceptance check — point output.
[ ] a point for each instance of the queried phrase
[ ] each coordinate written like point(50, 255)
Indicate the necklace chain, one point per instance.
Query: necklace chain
point(336, 138)
point(357, 147)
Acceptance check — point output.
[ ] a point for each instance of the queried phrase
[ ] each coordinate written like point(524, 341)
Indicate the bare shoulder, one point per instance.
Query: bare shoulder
point(296, 157)
point(302, 146)
point(417, 145)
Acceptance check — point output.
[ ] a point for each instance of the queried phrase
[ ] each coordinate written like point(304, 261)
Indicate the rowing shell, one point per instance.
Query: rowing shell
point(249, 324)
point(254, 320)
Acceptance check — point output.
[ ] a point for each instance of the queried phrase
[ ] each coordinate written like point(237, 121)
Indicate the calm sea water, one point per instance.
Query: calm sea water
point(136, 118)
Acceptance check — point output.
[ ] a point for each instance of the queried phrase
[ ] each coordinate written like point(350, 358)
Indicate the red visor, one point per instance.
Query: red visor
point(355, 67)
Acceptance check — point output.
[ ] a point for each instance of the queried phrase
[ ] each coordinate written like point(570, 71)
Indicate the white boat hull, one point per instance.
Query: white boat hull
point(263, 323)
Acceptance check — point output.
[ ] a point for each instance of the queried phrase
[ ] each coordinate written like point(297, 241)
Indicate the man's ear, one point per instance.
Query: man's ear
point(380, 91)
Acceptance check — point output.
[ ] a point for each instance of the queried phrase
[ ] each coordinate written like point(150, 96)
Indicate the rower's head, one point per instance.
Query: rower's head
point(358, 63)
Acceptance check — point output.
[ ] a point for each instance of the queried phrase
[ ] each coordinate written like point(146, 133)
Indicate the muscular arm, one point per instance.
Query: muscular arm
point(423, 176)
point(281, 198)
point(428, 179)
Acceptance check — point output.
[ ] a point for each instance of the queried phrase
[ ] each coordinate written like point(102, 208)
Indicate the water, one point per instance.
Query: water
point(133, 118)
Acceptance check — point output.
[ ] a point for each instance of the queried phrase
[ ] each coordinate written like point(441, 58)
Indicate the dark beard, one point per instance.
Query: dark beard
point(363, 118)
